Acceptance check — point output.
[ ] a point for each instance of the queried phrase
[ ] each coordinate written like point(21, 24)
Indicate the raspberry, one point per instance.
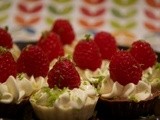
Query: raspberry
point(5, 39)
point(33, 61)
point(51, 45)
point(87, 55)
point(124, 68)
point(106, 43)
point(64, 29)
point(7, 65)
point(143, 53)
point(63, 74)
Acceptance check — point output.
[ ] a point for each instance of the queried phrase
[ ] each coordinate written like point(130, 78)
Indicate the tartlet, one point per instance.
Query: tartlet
point(15, 94)
point(67, 104)
point(130, 89)
point(67, 99)
point(17, 87)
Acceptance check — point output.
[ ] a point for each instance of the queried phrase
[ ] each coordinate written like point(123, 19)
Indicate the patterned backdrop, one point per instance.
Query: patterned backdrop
point(127, 20)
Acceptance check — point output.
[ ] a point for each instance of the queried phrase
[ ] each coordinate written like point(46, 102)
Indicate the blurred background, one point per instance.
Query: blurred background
point(127, 20)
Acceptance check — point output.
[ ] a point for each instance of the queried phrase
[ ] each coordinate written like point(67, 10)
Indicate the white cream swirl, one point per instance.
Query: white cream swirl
point(95, 77)
point(152, 76)
point(72, 96)
point(112, 90)
point(14, 90)
point(100, 78)
point(78, 103)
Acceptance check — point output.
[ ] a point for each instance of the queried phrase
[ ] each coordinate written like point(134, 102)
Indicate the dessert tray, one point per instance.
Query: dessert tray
point(126, 19)
point(31, 116)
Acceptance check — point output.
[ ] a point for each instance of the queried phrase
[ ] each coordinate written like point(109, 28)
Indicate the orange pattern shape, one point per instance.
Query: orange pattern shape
point(27, 22)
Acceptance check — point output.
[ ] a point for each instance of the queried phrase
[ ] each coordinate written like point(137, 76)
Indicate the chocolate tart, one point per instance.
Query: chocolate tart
point(16, 111)
point(125, 109)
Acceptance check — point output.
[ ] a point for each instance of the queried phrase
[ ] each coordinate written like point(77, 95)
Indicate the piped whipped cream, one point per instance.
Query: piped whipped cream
point(95, 77)
point(113, 90)
point(65, 97)
point(78, 103)
point(108, 89)
point(15, 90)
point(152, 76)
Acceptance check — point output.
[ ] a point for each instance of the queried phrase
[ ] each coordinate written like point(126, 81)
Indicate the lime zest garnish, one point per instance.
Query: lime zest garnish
point(79, 101)
point(85, 83)
point(20, 76)
point(157, 66)
point(146, 91)
point(133, 98)
point(100, 78)
point(53, 94)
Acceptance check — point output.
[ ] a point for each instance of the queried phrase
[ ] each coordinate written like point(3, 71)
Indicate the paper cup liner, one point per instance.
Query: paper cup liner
point(126, 109)
point(55, 113)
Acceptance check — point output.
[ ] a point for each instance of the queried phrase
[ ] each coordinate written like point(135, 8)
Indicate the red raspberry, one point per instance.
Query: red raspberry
point(87, 55)
point(143, 53)
point(106, 43)
point(33, 61)
point(51, 44)
point(7, 65)
point(5, 39)
point(124, 68)
point(63, 74)
point(64, 29)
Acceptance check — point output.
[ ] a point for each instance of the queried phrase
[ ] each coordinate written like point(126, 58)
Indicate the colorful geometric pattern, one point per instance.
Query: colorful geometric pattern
point(127, 20)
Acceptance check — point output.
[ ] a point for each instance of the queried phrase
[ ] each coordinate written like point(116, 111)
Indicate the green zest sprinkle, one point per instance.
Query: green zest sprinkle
point(53, 94)
point(20, 76)
point(146, 91)
point(133, 98)
point(100, 78)
point(46, 89)
point(157, 66)
point(85, 83)
point(79, 101)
